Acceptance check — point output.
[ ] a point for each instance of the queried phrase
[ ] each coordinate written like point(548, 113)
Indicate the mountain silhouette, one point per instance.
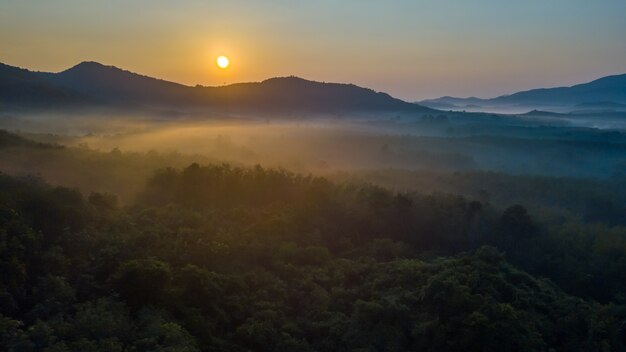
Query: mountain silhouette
point(112, 85)
point(603, 92)
point(23, 88)
point(610, 88)
point(93, 84)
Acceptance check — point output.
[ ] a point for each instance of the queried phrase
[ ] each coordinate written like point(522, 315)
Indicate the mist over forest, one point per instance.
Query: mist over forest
point(138, 214)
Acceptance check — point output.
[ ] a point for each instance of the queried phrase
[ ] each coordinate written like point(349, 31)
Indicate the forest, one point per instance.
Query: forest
point(177, 255)
point(312, 176)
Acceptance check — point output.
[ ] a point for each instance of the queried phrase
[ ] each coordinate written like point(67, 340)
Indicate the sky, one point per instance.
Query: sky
point(413, 49)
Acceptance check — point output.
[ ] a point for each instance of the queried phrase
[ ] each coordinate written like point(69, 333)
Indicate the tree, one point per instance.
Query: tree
point(142, 281)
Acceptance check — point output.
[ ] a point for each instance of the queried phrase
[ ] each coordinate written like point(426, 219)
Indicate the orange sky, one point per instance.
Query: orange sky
point(411, 49)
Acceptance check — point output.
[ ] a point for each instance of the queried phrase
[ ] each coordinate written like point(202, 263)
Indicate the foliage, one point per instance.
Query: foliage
point(221, 258)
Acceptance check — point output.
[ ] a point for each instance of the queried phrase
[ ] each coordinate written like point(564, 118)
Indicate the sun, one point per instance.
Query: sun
point(223, 62)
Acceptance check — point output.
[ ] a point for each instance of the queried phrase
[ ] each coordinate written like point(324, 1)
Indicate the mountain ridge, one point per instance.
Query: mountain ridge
point(609, 89)
point(90, 83)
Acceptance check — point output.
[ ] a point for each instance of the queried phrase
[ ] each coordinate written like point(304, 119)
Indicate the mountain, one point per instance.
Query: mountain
point(23, 88)
point(112, 85)
point(603, 92)
point(611, 88)
point(91, 84)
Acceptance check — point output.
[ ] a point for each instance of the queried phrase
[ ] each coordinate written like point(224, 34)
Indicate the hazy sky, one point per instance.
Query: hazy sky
point(412, 49)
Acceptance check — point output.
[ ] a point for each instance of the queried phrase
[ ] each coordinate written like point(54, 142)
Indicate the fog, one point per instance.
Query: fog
point(118, 152)
point(317, 145)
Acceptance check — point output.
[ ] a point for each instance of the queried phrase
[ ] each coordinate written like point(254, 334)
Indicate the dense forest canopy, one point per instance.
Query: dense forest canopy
point(219, 257)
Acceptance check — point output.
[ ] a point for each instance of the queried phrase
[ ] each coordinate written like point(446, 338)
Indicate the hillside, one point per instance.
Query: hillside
point(27, 89)
point(92, 84)
point(221, 258)
point(603, 93)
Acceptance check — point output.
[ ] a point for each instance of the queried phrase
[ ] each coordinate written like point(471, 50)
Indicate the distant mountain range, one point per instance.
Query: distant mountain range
point(607, 93)
point(92, 84)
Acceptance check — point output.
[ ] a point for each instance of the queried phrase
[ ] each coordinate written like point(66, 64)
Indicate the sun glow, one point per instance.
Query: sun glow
point(223, 62)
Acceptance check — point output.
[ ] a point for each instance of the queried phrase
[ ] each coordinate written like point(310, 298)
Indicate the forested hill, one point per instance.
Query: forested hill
point(607, 93)
point(220, 258)
point(91, 84)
